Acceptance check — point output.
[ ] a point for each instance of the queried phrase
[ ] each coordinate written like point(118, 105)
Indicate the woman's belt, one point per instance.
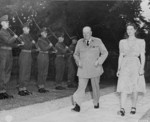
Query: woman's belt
point(26, 51)
point(127, 56)
point(6, 48)
point(131, 57)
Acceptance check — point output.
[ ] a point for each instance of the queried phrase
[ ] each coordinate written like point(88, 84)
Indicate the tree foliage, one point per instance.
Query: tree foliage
point(105, 17)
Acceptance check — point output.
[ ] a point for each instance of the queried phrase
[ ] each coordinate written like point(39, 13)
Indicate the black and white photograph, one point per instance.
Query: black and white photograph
point(74, 60)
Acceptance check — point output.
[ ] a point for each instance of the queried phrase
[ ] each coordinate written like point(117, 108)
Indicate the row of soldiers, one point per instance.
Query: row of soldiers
point(26, 43)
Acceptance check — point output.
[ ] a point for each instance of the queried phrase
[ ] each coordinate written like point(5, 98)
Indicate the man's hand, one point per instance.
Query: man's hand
point(15, 36)
point(20, 44)
point(66, 47)
point(100, 61)
point(50, 44)
point(96, 63)
point(79, 64)
point(33, 41)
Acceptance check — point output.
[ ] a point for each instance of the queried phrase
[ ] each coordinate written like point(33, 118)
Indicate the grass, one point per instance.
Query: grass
point(36, 97)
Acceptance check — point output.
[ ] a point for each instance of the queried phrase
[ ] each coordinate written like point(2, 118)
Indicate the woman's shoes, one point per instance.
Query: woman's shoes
point(121, 112)
point(133, 110)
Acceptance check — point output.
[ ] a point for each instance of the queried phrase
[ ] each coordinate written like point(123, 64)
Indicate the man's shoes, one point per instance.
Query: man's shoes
point(60, 88)
point(24, 92)
point(96, 106)
point(76, 108)
point(5, 96)
point(43, 90)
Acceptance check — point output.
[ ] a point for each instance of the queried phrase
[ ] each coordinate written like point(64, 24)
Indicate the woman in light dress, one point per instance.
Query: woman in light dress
point(131, 68)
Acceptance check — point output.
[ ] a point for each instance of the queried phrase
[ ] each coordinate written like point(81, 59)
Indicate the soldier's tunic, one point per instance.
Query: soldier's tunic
point(25, 60)
point(43, 61)
point(60, 62)
point(72, 67)
point(88, 55)
point(6, 44)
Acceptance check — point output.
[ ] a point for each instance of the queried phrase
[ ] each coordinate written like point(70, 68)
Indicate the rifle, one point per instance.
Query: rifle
point(53, 34)
point(22, 25)
point(22, 43)
point(67, 33)
point(46, 37)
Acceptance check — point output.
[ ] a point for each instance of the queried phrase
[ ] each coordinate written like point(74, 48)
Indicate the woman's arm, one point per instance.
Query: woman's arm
point(142, 57)
point(120, 60)
point(121, 55)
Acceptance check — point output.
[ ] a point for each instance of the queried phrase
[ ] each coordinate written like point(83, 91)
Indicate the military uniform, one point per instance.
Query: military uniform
point(60, 64)
point(25, 60)
point(6, 43)
point(43, 62)
point(86, 54)
point(72, 67)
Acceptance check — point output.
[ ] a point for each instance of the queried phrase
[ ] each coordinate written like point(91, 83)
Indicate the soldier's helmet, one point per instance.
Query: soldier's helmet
point(44, 29)
point(4, 18)
point(59, 34)
point(26, 25)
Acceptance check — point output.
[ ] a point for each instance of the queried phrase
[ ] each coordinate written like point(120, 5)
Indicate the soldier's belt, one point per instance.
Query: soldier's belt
point(6, 48)
point(60, 55)
point(26, 51)
point(44, 52)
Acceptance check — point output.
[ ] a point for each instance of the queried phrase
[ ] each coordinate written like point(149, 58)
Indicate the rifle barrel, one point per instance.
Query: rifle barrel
point(15, 34)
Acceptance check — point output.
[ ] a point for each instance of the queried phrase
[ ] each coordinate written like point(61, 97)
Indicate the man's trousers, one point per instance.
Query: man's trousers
point(43, 64)
point(79, 95)
point(6, 60)
point(25, 60)
point(60, 69)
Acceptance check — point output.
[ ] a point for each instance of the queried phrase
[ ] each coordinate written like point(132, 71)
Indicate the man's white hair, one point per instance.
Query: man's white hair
point(87, 28)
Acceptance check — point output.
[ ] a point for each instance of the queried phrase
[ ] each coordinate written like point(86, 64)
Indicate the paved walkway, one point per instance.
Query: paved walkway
point(59, 110)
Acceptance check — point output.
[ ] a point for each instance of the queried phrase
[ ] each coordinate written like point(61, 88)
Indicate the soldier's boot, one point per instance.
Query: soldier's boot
point(24, 93)
point(43, 90)
point(5, 96)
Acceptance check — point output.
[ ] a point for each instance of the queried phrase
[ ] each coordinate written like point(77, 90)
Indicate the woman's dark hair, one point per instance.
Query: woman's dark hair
point(134, 26)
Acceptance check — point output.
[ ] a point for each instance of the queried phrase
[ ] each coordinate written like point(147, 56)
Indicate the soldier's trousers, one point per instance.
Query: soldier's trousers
point(60, 69)
point(72, 70)
point(43, 64)
point(25, 60)
point(6, 60)
point(79, 95)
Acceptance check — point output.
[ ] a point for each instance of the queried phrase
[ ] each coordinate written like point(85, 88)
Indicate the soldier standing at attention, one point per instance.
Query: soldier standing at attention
point(43, 60)
point(72, 67)
point(90, 53)
point(60, 61)
point(25, 60)
point(6, 43)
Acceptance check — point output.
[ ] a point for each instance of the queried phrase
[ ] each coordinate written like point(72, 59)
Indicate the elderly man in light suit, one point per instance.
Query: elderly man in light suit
point(90, 53)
